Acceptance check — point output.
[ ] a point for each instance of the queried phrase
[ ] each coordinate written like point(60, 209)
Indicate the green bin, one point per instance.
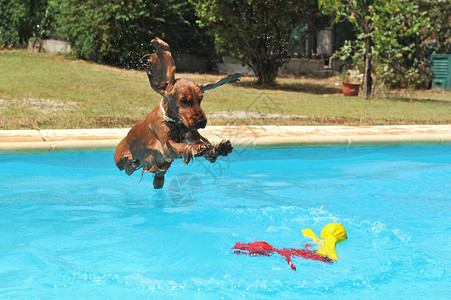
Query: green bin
point(441, 70)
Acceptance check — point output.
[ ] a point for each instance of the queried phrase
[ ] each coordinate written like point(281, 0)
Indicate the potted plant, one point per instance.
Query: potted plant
point(352, 59)
point(351, 81)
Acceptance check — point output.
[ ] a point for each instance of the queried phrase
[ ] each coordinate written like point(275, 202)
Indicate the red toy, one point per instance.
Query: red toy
point(264, 249)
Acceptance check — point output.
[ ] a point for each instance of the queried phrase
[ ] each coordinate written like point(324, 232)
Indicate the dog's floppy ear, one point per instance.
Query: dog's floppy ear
point(228, 79)
point(160, 66)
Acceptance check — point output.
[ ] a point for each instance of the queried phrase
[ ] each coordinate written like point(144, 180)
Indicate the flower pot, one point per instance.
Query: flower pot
point(351, 89)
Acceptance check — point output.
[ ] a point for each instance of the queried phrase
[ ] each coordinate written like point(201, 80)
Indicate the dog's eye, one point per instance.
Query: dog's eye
point(184, 101)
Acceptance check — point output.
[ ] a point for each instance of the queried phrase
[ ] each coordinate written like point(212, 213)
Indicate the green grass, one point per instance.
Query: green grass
point(40, 91)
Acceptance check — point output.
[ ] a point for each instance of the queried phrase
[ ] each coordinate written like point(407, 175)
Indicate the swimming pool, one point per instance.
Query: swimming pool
point(73, 226)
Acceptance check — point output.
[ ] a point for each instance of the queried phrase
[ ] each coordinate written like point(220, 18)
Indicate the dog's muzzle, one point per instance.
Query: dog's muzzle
point(201, 123)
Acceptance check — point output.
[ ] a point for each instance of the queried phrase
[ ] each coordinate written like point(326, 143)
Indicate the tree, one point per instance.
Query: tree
point(390, 42)
point(256, 32)
point(356, 11)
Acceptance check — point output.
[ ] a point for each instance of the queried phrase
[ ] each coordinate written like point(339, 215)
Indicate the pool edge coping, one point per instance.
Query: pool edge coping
point(14, 142)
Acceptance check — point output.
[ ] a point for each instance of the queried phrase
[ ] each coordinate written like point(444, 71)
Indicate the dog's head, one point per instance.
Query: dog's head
point(181, 97)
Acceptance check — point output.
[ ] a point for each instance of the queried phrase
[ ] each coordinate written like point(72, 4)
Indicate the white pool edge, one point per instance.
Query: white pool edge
point(13, 142)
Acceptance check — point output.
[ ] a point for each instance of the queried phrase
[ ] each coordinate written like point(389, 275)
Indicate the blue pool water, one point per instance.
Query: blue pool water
point(73, 226)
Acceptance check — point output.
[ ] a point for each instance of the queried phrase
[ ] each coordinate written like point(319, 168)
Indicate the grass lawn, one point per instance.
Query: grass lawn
point(40, 91)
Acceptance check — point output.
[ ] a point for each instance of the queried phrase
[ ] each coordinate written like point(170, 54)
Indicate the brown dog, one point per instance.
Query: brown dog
point(170, 129)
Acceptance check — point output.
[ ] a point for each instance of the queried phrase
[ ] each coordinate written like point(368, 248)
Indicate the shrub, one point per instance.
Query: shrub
point(118, 32)
point(20, 20)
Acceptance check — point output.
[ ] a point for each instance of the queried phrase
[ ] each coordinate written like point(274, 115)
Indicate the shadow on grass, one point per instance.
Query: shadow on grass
point(304, 87)
point(396, 98)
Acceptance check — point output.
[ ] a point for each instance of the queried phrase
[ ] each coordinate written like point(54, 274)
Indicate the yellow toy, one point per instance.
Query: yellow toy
point(331, 234)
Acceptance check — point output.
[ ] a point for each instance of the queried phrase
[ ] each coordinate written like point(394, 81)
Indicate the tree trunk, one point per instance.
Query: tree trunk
point(310, 43)
point(367, 81)
point(266, 71)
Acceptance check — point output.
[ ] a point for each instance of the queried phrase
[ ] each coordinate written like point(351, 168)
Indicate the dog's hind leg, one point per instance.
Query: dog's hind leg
point(124, 159)
point(158, 181)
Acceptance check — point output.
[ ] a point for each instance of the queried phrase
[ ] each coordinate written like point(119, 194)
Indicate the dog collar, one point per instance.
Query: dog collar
point(165, 117)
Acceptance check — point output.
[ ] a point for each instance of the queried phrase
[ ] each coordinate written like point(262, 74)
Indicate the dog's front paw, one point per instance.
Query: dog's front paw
point(191, 151)
point(201, 149)
point(211, 155)
point(224, 148)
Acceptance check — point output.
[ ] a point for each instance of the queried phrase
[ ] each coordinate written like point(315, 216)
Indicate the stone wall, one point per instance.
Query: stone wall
point(50, 46)
point(197, 64)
